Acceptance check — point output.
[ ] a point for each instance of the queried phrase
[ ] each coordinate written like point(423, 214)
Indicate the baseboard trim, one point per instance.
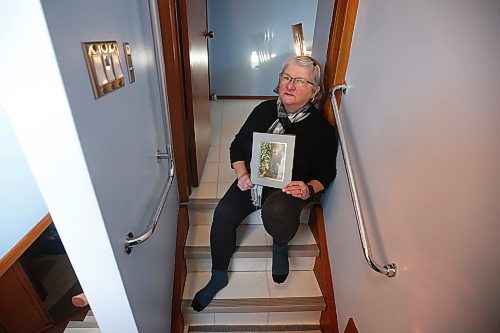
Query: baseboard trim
point(245, 97)
point(180, 270)
point(322, 270)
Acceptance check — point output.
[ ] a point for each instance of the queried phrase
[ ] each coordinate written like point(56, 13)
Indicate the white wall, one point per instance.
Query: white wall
point(423, 112)
point(324, 14)
point(21, 204)
point(242, 27)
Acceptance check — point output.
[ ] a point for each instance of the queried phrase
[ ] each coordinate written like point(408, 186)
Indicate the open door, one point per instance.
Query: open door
point(193, 17)
point(95, 160)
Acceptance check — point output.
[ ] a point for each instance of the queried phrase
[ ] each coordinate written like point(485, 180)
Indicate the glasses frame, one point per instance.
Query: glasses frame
point(294, 80)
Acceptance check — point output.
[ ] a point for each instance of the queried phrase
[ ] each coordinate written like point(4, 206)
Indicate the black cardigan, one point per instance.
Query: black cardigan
point(316, 143)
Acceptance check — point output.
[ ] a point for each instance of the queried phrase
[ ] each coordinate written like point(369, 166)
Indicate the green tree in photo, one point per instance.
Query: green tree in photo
point(265, 158)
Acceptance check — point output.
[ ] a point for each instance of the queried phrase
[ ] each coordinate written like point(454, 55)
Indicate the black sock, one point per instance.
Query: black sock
point(203, 297)
point(280, 263)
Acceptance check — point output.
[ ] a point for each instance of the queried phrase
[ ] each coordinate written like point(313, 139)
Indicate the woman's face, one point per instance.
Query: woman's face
point(293, 94)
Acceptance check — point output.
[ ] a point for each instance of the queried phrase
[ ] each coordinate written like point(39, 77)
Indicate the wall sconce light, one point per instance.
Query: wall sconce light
point(103, 64)
point(298, 39)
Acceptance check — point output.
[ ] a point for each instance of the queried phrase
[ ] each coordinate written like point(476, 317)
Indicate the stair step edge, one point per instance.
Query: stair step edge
point(253, 305)
point(258, 251)
point(82, 324)
point(255, 328)
point(202, 203)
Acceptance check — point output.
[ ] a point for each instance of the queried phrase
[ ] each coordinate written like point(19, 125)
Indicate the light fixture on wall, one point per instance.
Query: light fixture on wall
point(299, 40)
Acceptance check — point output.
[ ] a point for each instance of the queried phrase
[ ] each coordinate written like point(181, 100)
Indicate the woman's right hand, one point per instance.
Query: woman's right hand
point(244, 182)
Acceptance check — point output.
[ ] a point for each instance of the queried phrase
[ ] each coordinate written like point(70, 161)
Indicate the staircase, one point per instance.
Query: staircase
point(251, 302)
point(88, 325)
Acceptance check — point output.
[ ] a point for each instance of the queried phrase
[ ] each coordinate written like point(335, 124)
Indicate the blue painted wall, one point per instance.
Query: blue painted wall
point(21, 204)
point(243, 27)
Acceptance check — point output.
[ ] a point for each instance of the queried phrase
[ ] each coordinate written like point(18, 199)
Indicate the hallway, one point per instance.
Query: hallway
point(226, 117)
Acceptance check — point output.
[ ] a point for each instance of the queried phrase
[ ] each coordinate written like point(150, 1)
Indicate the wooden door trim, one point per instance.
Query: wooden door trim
point(180, 270)
point(172, 54)
point(339, 47)
point(188, 93)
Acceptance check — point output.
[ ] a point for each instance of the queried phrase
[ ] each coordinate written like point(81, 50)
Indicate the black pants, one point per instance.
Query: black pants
point(280, 215)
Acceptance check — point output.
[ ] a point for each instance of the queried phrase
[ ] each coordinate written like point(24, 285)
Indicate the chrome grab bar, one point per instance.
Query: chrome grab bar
point(388, 270)
point(130, 242)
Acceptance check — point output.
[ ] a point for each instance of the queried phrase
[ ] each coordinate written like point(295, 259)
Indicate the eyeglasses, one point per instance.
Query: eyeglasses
point(299, 81)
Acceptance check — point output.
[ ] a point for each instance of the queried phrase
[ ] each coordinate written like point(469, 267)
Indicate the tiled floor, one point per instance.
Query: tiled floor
point(226, 116)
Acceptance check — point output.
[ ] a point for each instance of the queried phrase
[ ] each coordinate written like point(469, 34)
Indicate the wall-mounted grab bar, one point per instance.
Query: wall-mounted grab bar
point(130, 242)
point(388, 270)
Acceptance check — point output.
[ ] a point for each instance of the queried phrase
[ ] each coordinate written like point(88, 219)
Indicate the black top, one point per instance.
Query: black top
point(316, 143)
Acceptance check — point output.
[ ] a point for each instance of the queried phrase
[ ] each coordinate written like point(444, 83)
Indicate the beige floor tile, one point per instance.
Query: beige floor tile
point(235, 265)
point(215, 125)
point(199, 318)
point(303, 236)
point(222, 189)
point(226, 173)
point(241, 285)
point(198, 235)
point(235, 120)
point(294, 318)
point(241, 318)
point(215, 139)
point(200, 216)
point(204, 191)
point(251, 235)
point(298, 283)
point(194, 282)
point(233, 109)
point(295, 263)
point(248, 265)
point(231, 129)
point(224, 156)
point(304, 215)
point(210, 173)
point(245, 285)
point(226, 139)
point(213, 155)
point(254, 218)
point(199, 265)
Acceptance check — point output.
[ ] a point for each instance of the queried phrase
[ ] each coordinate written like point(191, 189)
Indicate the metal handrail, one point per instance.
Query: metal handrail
point(388, 270)
point(130, 241)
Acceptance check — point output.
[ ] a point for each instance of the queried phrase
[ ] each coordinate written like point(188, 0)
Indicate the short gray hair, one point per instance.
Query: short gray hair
point(316, 73)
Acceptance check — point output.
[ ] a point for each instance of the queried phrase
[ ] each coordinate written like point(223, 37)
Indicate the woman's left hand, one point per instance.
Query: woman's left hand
point(297, 189)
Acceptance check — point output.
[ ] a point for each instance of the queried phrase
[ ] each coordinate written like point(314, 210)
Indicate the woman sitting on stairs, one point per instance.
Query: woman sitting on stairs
point(300, 88)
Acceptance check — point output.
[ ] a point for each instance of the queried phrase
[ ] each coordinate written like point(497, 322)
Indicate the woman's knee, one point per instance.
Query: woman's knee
point(281, 216)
